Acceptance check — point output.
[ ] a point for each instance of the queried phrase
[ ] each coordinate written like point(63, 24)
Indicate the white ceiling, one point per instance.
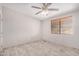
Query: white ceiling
point(28, 10)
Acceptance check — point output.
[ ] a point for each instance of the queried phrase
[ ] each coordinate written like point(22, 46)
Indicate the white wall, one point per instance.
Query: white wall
point(0, 26)
point(19, 28)
point(1, 38)
point(67, 40)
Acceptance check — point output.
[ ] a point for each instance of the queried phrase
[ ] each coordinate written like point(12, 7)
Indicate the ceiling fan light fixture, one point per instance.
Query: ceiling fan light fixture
point(44, 12)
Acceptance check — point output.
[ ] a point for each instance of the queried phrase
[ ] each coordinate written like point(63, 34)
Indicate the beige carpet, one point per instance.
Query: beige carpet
point(40, 48)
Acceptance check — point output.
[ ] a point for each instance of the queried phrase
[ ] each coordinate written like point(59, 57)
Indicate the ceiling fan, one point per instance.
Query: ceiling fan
point(44, 8)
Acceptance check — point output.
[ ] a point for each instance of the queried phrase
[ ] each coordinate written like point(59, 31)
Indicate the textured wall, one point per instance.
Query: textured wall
point(19, 28)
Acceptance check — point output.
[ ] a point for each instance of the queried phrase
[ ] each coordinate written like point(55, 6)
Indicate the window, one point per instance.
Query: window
point(62, 25)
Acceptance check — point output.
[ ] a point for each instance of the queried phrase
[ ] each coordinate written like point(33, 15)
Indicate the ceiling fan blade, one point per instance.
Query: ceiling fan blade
point(48, 4)
point(38, 12)
point(53, 9)
point(36, 7)
point(44, 4)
